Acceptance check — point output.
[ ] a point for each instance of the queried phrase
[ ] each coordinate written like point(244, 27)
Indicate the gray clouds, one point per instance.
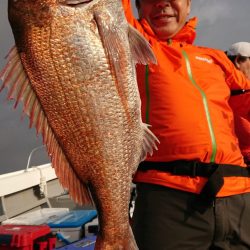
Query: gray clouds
point(221, 23)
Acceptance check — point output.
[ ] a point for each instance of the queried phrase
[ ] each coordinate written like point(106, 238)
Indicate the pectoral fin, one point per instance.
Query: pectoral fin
point(114, 38)
point(140, 47)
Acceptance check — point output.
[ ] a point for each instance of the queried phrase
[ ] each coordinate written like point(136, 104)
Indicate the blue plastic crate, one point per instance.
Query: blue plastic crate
point(73, 219)
point(87, 243)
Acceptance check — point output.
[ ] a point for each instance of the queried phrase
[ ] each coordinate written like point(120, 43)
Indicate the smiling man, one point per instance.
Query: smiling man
point(166, 18)
point(194, 192)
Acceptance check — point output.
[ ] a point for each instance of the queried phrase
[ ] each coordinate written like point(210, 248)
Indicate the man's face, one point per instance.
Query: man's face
point(166, 17)
point(245, 67)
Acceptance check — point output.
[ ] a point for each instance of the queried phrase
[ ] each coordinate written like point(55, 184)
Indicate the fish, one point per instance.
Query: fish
point(73, 69)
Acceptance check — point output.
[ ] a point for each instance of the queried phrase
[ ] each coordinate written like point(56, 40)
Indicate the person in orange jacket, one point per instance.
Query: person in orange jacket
point(239, 54)
point(194, 192)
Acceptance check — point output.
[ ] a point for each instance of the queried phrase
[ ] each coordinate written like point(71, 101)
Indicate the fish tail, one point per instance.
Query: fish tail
point(128, 243)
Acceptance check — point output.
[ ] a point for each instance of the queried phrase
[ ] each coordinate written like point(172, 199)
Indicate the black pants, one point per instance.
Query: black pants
point(164, 220)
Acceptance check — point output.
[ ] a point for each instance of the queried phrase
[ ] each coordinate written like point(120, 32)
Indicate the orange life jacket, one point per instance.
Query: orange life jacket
point(185, 100)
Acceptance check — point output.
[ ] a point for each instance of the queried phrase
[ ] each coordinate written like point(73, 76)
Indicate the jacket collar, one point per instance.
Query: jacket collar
point(186, 35)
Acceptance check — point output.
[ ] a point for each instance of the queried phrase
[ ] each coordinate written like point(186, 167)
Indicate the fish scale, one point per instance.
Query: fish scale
point(78, 85)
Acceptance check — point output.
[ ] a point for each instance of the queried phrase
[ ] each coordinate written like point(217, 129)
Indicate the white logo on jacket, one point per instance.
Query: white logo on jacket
point(204, 59)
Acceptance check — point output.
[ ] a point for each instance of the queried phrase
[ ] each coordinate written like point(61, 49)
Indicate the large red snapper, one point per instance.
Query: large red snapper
point(73, 67)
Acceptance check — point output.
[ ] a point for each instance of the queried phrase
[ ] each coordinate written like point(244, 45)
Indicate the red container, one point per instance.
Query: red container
point(23, 237)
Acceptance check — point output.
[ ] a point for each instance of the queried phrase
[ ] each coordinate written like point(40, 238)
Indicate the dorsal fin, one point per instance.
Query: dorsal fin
point(19, 87)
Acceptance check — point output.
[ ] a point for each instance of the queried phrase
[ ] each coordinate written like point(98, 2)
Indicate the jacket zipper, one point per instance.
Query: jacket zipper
point(205, 104)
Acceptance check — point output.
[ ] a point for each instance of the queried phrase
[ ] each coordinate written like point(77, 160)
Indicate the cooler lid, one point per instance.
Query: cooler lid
point(74, 218)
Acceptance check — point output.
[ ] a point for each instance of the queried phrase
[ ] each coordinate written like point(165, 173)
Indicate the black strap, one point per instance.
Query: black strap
point(239, 91)
point(214, 172)
point(194, 168)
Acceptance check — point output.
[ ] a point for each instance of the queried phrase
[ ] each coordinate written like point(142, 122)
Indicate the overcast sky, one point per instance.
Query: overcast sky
point(221, 23)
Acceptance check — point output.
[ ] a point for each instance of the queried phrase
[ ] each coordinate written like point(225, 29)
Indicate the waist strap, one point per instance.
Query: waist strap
point(194, 168)
point(214, 172)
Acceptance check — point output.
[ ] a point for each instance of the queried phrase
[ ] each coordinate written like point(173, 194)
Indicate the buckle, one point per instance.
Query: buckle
point(194, 166)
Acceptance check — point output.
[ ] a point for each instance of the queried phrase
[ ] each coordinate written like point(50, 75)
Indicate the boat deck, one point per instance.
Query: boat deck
point(27, 191)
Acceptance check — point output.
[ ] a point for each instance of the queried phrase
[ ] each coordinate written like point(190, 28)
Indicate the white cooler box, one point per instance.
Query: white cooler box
point(37, 217)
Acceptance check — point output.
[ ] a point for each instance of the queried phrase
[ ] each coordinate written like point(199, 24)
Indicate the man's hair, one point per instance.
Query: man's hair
point(239, 58)
point(137, 4)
